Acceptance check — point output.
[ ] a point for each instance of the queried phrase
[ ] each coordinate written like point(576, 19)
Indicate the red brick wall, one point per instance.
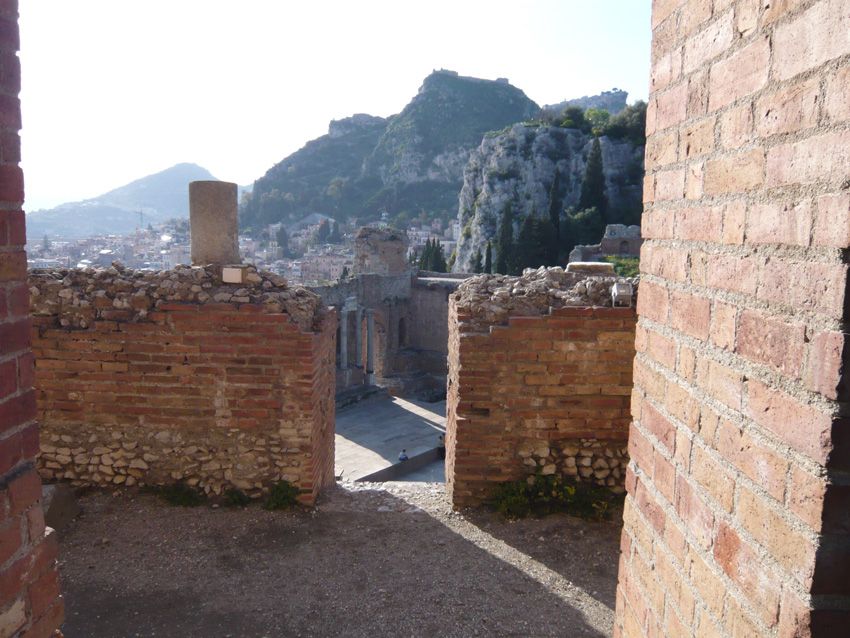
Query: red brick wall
point(323, 406)
point(217, 395)
point(529, 396)
point(29, 583)
point(737, 520)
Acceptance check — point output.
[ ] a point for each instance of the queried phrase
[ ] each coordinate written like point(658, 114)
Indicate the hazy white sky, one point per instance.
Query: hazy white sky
point(117, 89)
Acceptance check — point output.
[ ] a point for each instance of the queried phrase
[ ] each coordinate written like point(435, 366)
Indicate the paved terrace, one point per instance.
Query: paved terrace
point(370, 435)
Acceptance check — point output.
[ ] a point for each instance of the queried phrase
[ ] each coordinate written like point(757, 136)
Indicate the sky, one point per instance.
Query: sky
point(114, 90)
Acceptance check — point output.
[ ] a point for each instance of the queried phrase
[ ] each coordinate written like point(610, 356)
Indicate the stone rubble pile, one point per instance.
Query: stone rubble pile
point(590, 460)
point(78, 297)
point(489, 300)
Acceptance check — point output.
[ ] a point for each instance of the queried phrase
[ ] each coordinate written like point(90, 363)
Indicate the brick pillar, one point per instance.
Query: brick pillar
point(737, 520)
point(29, 586)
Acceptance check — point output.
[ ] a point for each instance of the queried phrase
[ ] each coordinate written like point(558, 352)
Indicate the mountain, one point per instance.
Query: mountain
point(404, 164)
point(514, 170)
point(612, 101)
point(325, 176)
point(158, 197)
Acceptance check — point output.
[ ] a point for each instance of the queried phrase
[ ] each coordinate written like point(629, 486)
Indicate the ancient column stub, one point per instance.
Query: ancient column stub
point(213, 219)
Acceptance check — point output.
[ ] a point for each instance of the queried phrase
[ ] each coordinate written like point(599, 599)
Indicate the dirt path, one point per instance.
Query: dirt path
point(387, 560)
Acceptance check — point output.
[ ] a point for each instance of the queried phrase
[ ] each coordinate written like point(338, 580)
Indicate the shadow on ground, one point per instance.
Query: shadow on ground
point(367, 563)
point(558, 540)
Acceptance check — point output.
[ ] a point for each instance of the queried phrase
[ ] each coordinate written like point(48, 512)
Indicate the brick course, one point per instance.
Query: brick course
point(218, 395)
point(735, 518)
point(545, 393)
point(30, 603)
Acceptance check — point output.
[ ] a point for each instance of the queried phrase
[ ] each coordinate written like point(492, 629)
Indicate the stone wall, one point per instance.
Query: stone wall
point(535, 385)
point(30, 602)
point(737, 520)
point(380, 251)
point(410, 320)
point(427, 326)
point(618, 240)
point(151, 378)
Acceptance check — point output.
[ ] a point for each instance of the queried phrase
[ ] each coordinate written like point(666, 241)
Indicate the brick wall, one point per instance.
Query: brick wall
point(737, 520)
point(218, 395)
point(546, 393)
point(29, 584)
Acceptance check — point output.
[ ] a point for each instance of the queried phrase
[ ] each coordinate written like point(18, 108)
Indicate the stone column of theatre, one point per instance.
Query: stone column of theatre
point(737, 521)
point(29, 584)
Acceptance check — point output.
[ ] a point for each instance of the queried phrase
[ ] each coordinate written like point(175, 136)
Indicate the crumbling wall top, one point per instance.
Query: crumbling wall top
point(621, 231)
point(489, 300)
point(78, 297)
point(381, 251)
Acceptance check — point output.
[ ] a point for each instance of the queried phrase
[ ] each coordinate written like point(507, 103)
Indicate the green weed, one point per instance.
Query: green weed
point(179, 494)
point(283, 495)
point(236, 498)
point(549, 494)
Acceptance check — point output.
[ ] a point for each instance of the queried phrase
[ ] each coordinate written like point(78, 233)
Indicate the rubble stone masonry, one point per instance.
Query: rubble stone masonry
point(737, 519)
point(534, 388)
point(29, 582)
point(152, 378)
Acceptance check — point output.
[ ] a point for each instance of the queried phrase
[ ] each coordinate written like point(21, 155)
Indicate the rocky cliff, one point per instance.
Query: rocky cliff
point(432, 137)
point(409, 162)
point(612, 101)
point(517, 167)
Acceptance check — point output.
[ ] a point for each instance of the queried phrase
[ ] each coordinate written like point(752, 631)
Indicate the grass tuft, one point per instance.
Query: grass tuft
point(283, 496)
point(544, 495)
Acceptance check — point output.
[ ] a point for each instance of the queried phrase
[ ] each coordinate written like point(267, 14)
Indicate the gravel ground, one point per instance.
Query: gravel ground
point(387, 559)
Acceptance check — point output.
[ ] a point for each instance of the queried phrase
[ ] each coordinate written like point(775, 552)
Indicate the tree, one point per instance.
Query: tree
point(555, 203)
point(523, 252)
point(568, 240)
point(586, 227)
point(573, 117)
point(488, 259)
point(282, 238)
point(344, 275)
point(477, 267)
point(323, 232)
point(630, 124)
point(433, 258)
point(425, 256)
point(438, 258)
point(598, 120)
point(593, 186)
point(505, 241)
point(451, 262)
point(530, 248)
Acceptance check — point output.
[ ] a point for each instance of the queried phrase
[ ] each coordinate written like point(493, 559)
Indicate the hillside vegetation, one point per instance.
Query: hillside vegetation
point(408, 165)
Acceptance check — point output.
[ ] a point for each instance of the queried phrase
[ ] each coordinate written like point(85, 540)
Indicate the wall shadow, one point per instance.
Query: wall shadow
point(584, 552)
point(364, 564)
